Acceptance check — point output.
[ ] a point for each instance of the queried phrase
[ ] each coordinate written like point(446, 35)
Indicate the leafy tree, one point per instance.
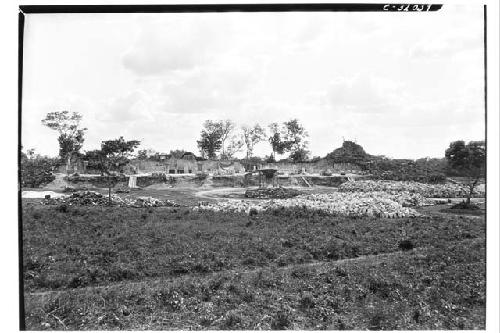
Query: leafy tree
point(36, 170)
point(288, 137)
point(70, 133)
point(144, 154)
point(295, 136)
point(469, 159)
point(277, 140)
point(252, 136)
point(211, 139)
point(300, 155)
point(94, 160)
point(112, 156)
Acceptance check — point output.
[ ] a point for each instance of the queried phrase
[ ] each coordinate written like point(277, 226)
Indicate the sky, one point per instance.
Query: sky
point(402, 85)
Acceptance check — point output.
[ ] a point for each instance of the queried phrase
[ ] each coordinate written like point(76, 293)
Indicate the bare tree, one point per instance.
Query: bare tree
point(227, 127)
point(252, 136)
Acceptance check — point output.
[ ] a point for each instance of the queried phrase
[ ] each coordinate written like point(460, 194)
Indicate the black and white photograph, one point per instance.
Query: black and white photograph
point(256, 166)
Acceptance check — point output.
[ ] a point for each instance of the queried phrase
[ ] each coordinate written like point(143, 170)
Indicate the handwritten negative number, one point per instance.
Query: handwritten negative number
point(408, 7)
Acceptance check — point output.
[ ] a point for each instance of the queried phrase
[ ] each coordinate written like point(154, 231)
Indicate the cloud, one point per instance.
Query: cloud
point(130, 107)
point(359, 94)
point(449, 46)
point(175, 44)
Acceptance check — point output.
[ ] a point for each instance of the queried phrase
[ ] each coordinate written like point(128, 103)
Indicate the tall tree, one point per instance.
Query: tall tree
point(70, 133)
point(469, 159)
point(226, 127)
point(112, 156)
point(211, 139)
point(277, 141)
point(295, 137)
point(290, 136)
point(252, 136)
point(235, 145)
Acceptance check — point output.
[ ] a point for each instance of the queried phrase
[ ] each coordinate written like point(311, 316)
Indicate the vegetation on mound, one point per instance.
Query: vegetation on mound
point(36, 172)
point(272, 193)
point(437, 288)
point(88, 246)
point(426, 190)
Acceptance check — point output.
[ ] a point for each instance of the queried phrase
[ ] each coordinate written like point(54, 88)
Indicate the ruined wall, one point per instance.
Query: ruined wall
point(295, 168)
point(184, 166)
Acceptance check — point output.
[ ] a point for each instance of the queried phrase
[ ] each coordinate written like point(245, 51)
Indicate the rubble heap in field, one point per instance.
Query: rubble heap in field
point(395, 187)
point(91, 198)
point(272, 193)
point(380, 204)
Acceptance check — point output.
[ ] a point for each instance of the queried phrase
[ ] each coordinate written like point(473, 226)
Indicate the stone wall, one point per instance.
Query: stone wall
point(184, 166)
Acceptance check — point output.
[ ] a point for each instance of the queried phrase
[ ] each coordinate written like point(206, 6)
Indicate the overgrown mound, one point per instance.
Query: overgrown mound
point(272, 193)
point(350, 152)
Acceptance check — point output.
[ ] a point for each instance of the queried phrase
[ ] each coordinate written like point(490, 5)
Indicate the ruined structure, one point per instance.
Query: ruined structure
point(187, 164)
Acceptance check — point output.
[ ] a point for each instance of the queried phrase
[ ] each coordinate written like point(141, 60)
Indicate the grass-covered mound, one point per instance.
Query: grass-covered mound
point(272, 193)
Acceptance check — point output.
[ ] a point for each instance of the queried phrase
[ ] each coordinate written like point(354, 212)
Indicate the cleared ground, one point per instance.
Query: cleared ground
point(171, 268)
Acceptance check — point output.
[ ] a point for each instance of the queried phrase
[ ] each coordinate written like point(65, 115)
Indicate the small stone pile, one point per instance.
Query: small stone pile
point(91, 198)
point(151, 202)
point(395, 187)
point(272, 193)
point(80, 198)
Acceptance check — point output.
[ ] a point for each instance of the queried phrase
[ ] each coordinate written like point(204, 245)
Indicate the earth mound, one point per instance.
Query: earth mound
point(272, 193)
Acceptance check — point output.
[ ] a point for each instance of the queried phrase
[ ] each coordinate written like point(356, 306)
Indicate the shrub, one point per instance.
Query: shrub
point(281, 321)
point(232, 320)
point(406, 245)
point(63, 208)
point(201, 176)
point(37, 172)
point(307, 301)
point(465, 205)
point(253, 212)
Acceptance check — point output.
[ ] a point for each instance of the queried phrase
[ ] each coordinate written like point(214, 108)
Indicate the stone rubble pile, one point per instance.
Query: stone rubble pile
point(379, 204)
point(272, 193)
point(92, 198)
point(395, 187)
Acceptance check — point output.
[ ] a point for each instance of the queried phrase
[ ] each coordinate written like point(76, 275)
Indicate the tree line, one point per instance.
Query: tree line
point(220, 139)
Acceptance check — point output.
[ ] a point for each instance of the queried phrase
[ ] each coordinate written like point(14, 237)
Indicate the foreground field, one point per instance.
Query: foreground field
point(172, 268)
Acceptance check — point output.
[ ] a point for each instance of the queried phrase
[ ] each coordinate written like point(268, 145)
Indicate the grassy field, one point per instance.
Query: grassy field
point(165, 268)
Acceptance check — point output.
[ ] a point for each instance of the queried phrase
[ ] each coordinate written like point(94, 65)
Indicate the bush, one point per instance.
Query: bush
point(406, 245)
point(465, 205)
point(201, 176)
point(37, 172)
point(63, 208)
point(281, 321)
